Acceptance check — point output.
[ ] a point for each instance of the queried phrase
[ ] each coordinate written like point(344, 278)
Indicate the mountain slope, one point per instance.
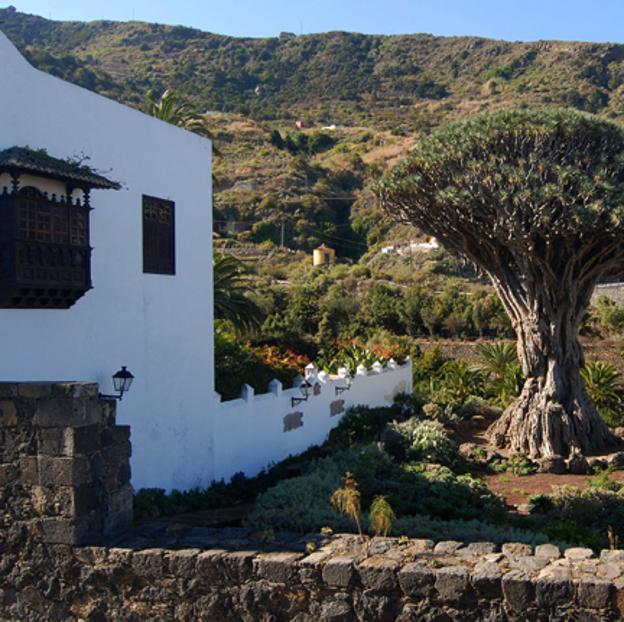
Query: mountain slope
point(410, 81)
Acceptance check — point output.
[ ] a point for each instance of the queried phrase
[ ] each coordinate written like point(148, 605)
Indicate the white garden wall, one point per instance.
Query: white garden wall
point(252, 432)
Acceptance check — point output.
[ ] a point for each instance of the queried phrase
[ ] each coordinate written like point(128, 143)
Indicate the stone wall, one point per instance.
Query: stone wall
point(238, 579)
point(66, 556)
point(64, 464)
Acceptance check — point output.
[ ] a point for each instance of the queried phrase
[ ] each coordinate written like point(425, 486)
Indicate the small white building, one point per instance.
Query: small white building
point(110, 265)
point(146, 299)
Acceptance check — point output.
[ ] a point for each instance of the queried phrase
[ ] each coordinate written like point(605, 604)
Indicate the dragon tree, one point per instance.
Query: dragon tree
point(536, 200)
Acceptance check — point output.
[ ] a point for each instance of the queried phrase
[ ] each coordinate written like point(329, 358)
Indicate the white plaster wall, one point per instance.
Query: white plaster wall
point(159, 326)
point(249, 433)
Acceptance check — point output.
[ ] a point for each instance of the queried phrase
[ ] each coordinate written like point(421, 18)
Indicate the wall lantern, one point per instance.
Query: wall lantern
point(348, 380)
point(305, 387)
point(122, 381)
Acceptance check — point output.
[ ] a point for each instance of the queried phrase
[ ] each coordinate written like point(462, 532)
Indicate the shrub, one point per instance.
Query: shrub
point(421, 441)
point(584, 516)
point(303, 503)
point(465, 531)
point(516, 464)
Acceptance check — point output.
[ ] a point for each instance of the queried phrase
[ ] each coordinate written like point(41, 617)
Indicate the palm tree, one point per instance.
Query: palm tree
point(171, 108)
point(231, 294)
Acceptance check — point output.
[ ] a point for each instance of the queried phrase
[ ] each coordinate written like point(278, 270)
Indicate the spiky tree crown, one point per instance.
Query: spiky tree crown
point(538, 183)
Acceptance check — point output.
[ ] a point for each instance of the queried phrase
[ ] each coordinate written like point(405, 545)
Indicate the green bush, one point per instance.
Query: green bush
point(516, 464)
point(464, 531)
point(583, 516)
point(420, 441)
point(303, 503)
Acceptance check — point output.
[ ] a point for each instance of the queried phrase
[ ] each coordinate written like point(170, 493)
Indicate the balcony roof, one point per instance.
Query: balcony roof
point(38, 162)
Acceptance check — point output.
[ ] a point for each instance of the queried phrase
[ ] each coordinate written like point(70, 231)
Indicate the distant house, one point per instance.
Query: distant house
point(300, 125)
point(323, 256)
point(287, 35)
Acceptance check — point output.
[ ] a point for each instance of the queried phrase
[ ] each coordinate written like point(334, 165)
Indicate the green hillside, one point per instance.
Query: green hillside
point(386, 81)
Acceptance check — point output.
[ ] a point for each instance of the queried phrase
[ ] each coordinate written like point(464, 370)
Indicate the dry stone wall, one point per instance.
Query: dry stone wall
point(67, 555)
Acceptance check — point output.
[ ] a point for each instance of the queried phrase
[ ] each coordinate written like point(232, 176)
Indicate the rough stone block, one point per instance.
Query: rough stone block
point(452, 583)
point(548, 551)
point(209, 565)
point(578, 553)
point(447, 547)
point(149, 564)
point(55, 471)
point(34, 390)
point(594, 594)
point(83, 440)
point(516, 549)
point(310, 566)
point(8, 414)
point(418, 547)
point(29, 470)
point(71, 531)
point(182, 563)
point(278, 567)
point(62, 413)
point(52, 441)
point(607, 555)
point(476, 549)
point(339, 572)
point(487, 580)
point(238, 565)
point(378, 573)
point(518, 590)
point(75, 390)
point(416, 580)
point(553, 591)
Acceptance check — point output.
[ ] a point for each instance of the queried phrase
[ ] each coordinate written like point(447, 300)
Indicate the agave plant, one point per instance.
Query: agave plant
point(458, 382)
point(603, 385)
point(496, 358)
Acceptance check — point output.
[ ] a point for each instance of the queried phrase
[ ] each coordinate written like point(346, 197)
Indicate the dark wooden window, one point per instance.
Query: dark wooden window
point(158, 236)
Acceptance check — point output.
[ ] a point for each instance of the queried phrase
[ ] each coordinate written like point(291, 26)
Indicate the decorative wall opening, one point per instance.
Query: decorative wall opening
point(45, 256)
point(158, 236)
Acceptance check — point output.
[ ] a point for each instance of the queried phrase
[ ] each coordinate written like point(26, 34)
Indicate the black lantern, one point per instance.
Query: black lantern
point(304, 387)
point(122, 381)
point(347, 378)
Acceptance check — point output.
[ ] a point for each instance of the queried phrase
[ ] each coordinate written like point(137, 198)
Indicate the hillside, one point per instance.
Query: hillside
point(380, 91)
point(409, 81)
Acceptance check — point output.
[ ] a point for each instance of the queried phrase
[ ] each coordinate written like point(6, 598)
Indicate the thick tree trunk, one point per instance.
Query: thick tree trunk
point(553, 416)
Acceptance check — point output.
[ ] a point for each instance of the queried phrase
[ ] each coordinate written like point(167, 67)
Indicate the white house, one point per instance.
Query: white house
point(110, 265)
point(158, 324)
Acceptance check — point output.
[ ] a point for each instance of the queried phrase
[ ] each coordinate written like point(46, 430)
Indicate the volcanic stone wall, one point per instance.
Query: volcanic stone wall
point(67, 554)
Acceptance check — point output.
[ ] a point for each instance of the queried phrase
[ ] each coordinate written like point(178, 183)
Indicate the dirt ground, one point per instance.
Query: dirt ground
point(516, 489)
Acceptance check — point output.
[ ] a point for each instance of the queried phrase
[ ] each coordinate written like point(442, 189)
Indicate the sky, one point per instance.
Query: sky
point(514, 20)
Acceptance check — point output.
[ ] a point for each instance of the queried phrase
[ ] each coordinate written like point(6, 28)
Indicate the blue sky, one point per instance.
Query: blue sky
point(526, 20)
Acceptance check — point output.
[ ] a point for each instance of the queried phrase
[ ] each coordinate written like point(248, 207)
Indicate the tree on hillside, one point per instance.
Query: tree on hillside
point(536, 200)
point(231, 294)
point(171, 108)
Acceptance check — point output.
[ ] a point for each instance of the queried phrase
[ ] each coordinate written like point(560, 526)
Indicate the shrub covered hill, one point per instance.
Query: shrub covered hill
point(384, 90)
